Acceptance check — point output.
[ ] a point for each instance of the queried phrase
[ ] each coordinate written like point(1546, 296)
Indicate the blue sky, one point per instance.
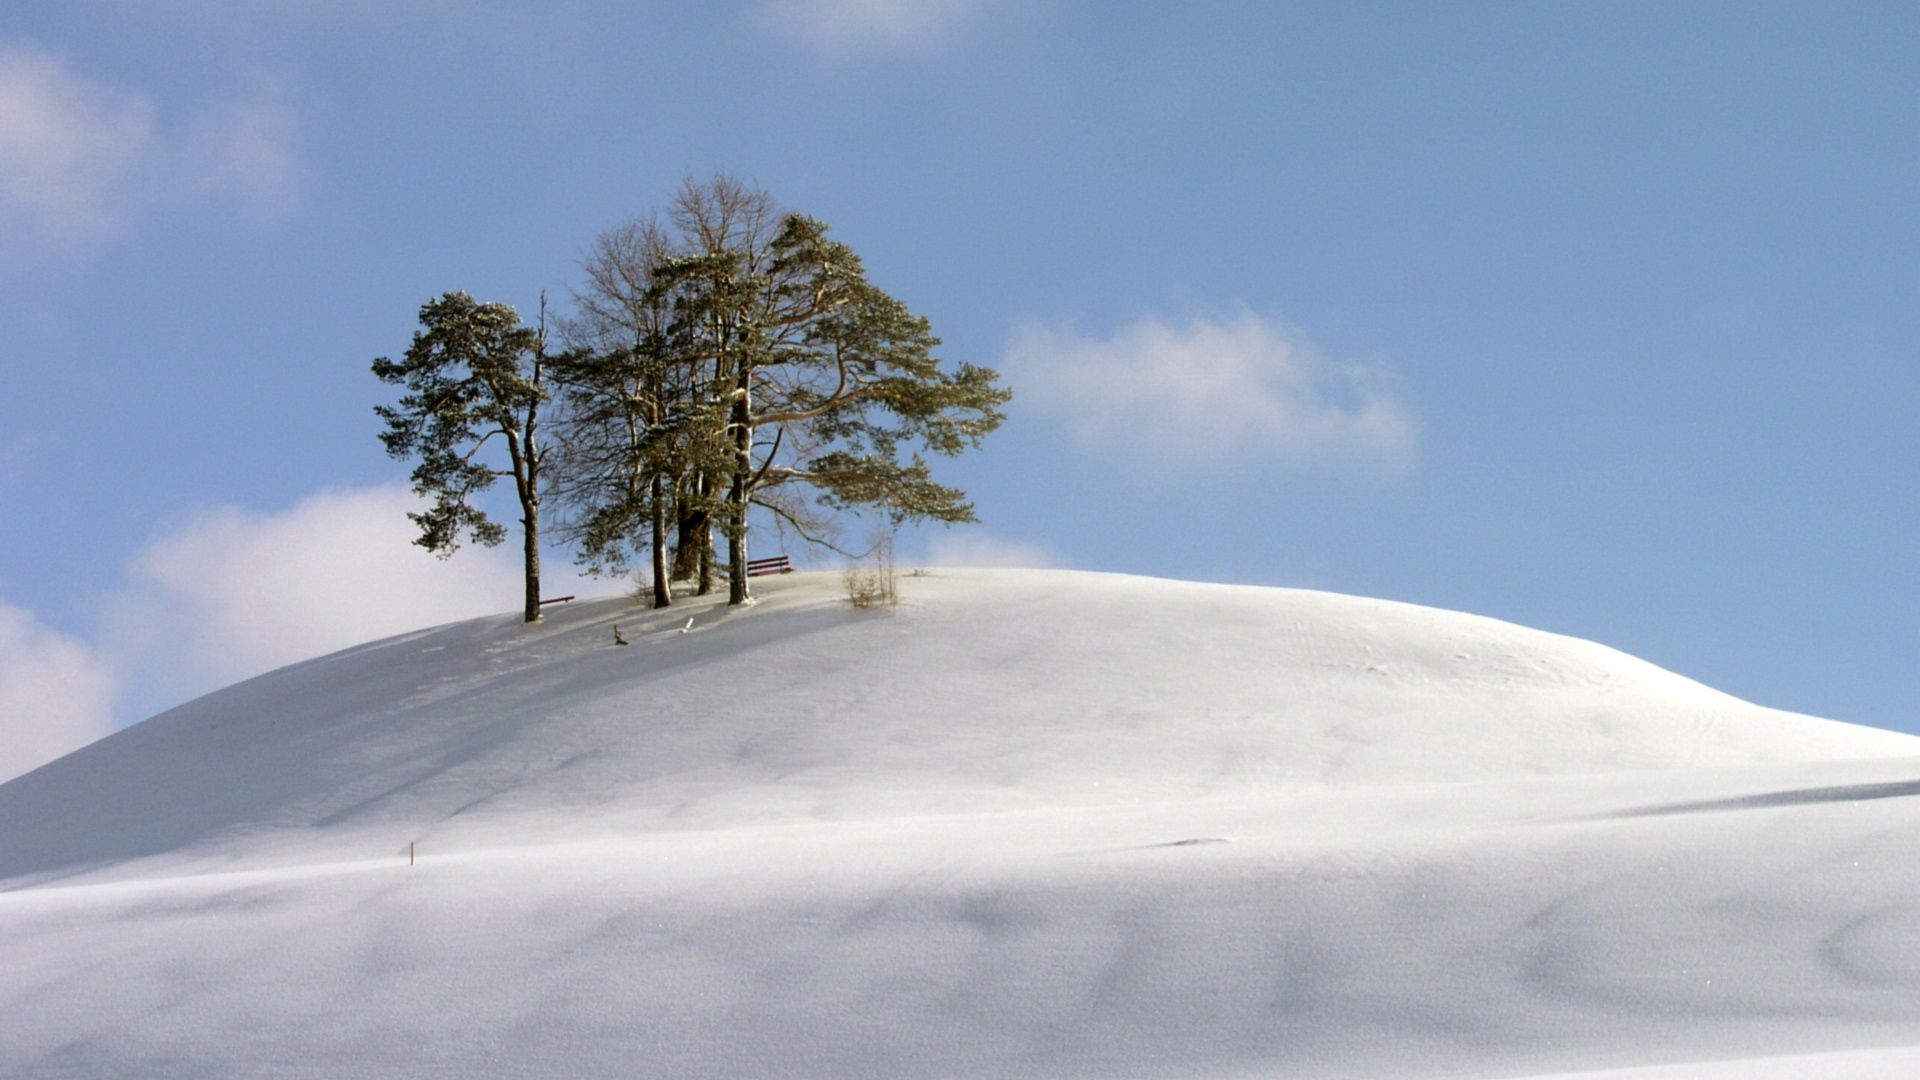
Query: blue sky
point(1596, 318)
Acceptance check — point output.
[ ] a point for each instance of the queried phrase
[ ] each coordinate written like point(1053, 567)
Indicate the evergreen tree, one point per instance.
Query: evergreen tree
point(473, 372)
point(827, 382)
point(856, 385)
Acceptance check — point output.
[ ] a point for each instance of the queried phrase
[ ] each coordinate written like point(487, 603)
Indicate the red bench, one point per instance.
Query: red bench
point(762, 567)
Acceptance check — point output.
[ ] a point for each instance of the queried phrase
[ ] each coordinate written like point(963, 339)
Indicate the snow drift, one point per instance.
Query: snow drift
point(1026, 824)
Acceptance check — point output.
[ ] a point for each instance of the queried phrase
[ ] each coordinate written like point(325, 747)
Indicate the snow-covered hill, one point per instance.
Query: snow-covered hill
point(1026, 824)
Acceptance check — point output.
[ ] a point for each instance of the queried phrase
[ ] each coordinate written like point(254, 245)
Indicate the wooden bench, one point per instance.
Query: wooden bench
point(555, 600)
point(762, 567)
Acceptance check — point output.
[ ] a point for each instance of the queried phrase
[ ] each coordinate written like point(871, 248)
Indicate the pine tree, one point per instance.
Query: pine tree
point(473, 372)
point(858, 385)
point(827, 382)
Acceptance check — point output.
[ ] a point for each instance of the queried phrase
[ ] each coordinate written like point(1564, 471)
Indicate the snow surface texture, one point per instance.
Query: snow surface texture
point(1028, 824)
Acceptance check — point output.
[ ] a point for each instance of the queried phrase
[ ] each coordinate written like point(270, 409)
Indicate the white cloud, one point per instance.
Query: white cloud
point(976, 548)
point(1208, 390)
point(79, 157)
point(231, 593)
point(863, 25)
point(69, 147)
point(56, 694)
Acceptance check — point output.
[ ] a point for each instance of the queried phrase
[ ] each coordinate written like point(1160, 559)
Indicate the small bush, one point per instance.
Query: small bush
point(863, 587)
point(874, 582)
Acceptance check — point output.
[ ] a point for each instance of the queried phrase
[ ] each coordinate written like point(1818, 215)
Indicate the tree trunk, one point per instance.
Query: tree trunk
point(737, 491)
point(693, 551)
point(531, 531)
point(527, 462)
point(704, 538)
point(737, 560)
point(662, 587)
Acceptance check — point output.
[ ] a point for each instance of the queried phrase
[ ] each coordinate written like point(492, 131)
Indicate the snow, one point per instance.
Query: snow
point(1028, 824)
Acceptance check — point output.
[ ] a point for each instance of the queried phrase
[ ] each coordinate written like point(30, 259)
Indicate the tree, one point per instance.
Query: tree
point(473, 373)
point(616, 462)
point(856, 381)
point(729, 359)
point(725, 228)
point(639, 446)
point(826, 379)
point(645, 440)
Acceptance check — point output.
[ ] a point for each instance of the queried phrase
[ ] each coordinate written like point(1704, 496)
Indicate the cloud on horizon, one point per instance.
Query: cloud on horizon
point(230, 594)
point(56, 693)
point(79, 158)
point(856, 26)
point(1209, 389)
point(233, 593)
point(974, 547)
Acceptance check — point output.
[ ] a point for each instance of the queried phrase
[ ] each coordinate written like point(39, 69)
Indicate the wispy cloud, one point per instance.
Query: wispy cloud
point(69, 147)
point(80, 157)
point(56, 693)
point(859, 26)
point(244, 146)
point(974, 547)
point(1208, 390)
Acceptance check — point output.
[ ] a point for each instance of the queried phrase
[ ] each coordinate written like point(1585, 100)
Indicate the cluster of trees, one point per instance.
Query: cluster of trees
point(720, 357)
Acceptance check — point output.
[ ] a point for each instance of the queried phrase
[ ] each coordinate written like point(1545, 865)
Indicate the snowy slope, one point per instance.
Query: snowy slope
point(1027, 824)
